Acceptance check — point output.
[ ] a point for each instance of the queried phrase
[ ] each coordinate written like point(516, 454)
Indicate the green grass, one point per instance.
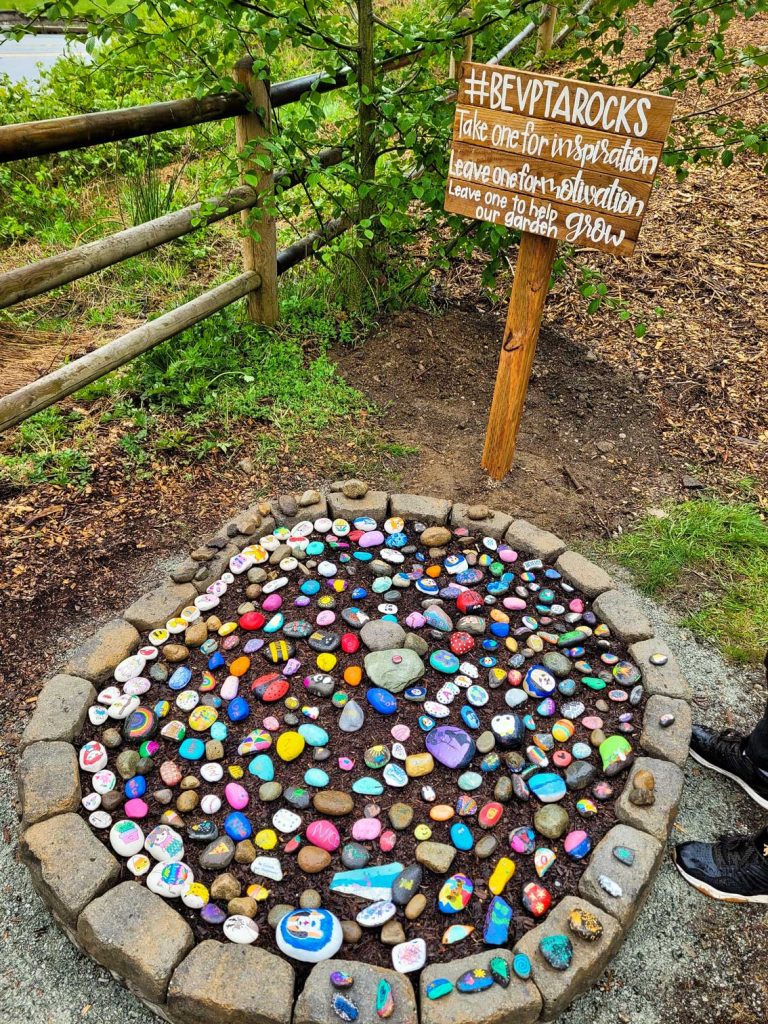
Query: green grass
point(714, 555)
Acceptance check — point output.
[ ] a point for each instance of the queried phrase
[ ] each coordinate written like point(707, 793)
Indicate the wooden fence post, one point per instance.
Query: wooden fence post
point(259, 254)
point(546, 29)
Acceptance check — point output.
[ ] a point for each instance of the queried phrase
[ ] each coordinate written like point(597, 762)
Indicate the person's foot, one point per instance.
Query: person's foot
point(726, 752)
point(734, 869)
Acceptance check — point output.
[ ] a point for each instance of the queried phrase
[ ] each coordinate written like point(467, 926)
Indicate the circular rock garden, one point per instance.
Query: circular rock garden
point(360, 744)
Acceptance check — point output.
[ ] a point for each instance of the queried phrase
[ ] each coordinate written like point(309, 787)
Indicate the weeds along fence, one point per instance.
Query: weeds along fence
point(251, 107)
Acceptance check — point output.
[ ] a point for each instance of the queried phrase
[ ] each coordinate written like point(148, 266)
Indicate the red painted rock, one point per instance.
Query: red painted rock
point(270, 687)
point(490, 814)
point(252, 620)
point(461, 643)
point(350, 643)
point(387, 841)
point(468, 601)
point(536, 899)
point(292, 845)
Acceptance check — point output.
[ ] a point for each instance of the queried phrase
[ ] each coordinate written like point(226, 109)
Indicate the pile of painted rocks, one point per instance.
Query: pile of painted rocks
point(391, 737)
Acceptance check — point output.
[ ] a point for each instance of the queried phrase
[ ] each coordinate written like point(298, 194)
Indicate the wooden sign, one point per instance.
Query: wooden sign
point(558, 160)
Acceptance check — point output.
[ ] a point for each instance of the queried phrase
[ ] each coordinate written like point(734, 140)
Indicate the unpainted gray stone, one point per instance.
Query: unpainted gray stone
point(374, 504)
point(136, 935)
point(99, 656)
point(185, 571)
point(380, 635)
point(670, 743)
point(216, 567)
point(316, 510)
point(655, 819)
point(622, 616)
point(494, 526)
point(558, 989)
point(157, 606)
point(60, 711)
point(530, 540)
point(226, 983)
point(635, 880)
point(68, 865)
point(49, 781)
point(438, 857)
point(420, 509)
point(314, 1004)
point(666, 680)
point(520, 1003)
point(583, 574)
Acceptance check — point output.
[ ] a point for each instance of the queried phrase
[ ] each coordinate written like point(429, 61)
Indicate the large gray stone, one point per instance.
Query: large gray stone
point(624, 618)
point(587, 577)
point(519, 1004)
point(494, 524)
point(635, 880)
point(374, 504)
point(156, 607)
point(136, 935)
point(665, 680)
point(60, 711)
point(314, 1004)
point(49, 781)
point(559, 988)
point(225, 983)
point(530, 540)
point(420, 509)
point(380, 635)
point(99, 656)
point(670, 743)
point(394, 675)
point(656, 819)
point(68, 865)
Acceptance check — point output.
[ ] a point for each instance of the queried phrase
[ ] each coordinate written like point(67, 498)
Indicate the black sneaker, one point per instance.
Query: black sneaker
point(734, 869)
point(725, 752)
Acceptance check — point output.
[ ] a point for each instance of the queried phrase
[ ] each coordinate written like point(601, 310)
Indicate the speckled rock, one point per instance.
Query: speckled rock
point(158, 605)
point(657, 818)
point(671, 743)
point(530, 540)
point(583, 574)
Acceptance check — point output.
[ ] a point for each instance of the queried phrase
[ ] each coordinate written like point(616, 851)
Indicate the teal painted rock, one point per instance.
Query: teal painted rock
point(192, 749)
point(461, 836)
point(316, 777)
point(547, 787)
point(369, 883)
point(367, 786)
point(557, 951)
point(521, 965)
point(594, 683)
point(439, 987)
point(470, 781)
point(624, 854)
point(499, 968)
point(313, 735)
point(385, 1001)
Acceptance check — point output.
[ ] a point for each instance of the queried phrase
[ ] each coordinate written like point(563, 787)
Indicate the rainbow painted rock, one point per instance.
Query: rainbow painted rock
point(455, 894)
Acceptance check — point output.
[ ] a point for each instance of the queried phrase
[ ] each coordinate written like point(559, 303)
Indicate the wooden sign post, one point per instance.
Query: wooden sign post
point(556, 159)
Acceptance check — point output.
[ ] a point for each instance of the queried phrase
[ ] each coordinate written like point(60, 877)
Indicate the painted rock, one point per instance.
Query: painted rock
point(577, 844)
point(409, 956)
point(508, 730)
point(536, 899)
point(501, 875)
point(547, 787)
point(381, 700)
point(309, 935)
point(521, 965)
point(270, 687)
point(341, 980)
point(557, 951)
point(376, 914)
point(624, 854)
point(499, 968)
point(614, 753)
point(538, 682)
point(477, 980)
point(543, 859)
point(344, 1008)
point(456, 933)
point(373, 882)
point(450, 746)
point(323, 834)
point(585, 924)
point(461, 836)
point(438, 988)
point(497, 921)
point(455, 894)
point(407, 884)
point(490, 814)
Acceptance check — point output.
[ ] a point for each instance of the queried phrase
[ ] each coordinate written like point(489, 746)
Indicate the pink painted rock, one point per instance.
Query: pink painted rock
point(514, 604)
point(400, 733)
point(415, 620)
point(366, 828)
point(135, 808)
point(272, 603)
point(271, 723)
point(229, 688)
point(324, 834)
point(507, 554)
point(326, 618)
point(592, 722)
point(387, 841)
point(576, 605)
point(237, 795)
point(371, 539)
point(170, 773)
point(346, 764)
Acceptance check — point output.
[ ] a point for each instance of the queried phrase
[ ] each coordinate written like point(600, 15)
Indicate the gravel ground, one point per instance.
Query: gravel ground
point(685, 959)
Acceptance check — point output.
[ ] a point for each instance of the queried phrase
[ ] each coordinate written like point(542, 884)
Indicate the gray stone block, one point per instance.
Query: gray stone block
point(583, 574)
point(657, 819)
point(223, 983)
point(68, 865)
point(318, 510)
point(99, 656)
point(635, 880)
point(374, 504)
point(495, 524)
point(623, 617)
point(520, 1003)
point(136, 935)
point(49, 781)
point(420, 509)
point(665, 680)
point(559, 988)
point(156, 607)
point(670, 743)
point(60, 711)
point(314, 1004)
point(530, 540)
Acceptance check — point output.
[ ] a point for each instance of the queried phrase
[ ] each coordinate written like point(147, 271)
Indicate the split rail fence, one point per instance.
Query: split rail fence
point(251, 107)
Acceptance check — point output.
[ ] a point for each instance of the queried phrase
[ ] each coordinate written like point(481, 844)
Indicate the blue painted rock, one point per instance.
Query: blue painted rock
point(508, 730)
point(547, 787)
point(439, 987)
point(370, 883)
point(497, 921)
point(309, 935)
point(477, 980)
point(450, 746)
point(340, 979)
point(237, 826)
point(538, 682)
point(385, 1001)
point(557, 951)
point(469, 717)
point(381, 700)
point(577, 844)
point(461, 837)
point(521, 965)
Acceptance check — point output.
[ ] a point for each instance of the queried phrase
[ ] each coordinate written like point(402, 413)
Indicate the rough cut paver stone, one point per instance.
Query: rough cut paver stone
point(314, 1004)
point(136, 935)
point(374, 504)
point(584, 575)
point(518, 1004)
point(559, 988)
point(159, 605)
point(185, 571)
point(666, 680)
point(622, 616)
point(530, 540)
point(656, 819)
point(311, 512)
point(635, 880)
point(419, 508)
point(49, 781)
point(98, 657)
point(670, 743)
point(224, 983)
point(60, 710)
point(68, 865)
point(495, 525)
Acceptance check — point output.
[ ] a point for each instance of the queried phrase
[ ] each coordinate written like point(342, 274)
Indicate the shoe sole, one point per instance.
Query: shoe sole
point(716, 894)
point(759, 800)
